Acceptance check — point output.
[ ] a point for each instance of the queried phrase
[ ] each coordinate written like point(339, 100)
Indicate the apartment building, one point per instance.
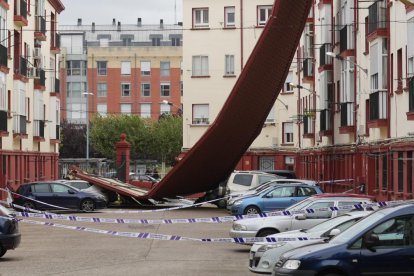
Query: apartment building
point(218, 39)
point(348, 102)
point(120, 69)
point(29, 94)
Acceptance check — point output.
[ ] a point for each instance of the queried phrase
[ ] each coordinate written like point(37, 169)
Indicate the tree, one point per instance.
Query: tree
point(73, 137)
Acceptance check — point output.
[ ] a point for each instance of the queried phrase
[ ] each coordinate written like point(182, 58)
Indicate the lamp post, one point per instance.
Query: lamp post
point(179, 110)
point(338, 57)
point(87, 94)
point(302, 87)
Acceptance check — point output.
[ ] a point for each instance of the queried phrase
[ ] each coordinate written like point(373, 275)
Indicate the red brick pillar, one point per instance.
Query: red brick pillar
point(123, 149)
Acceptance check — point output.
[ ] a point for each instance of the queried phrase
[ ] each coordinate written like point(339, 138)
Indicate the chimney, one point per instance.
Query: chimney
point(93, 27)
point(113, 22)
point(139, 23)
point(119, 26)
point(79, 21)
point(161, 23)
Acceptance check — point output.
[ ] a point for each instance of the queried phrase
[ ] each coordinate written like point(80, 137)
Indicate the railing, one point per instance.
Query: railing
point(307, 67)
point(3, 56)
point(19, 125)
point(42, 78)
point(377, 16)
point(3, 120)
point(411, 95)
point(378, 105)
point(347, 114)
point(41, 24)
point(57, 132)
point(57, 85)
point(325, 120)
point(346, 38)
point(39, 128)
point(323, 58)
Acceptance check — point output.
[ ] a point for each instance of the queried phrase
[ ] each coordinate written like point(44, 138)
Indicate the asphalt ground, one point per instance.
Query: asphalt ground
point(46, 250)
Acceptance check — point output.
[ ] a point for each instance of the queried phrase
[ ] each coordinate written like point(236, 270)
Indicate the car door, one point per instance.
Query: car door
point(311, 219)
point(64, 196)
point(304, 192)
point(42, 192)
point(392, 254)
point(279, 198)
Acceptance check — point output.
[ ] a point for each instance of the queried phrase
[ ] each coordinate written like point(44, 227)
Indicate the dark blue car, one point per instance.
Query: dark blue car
point(9, 231)
point(380, 244)
point(57, 194)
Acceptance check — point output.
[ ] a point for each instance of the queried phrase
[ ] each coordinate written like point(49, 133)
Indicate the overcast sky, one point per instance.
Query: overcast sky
point(125, 11)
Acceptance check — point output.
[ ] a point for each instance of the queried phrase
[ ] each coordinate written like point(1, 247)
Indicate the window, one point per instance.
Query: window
point(243, 179)
point(76, 68)
point(175, 41)
point(165, 109)
point(287, 133)
point(3, 27)
point(126, 89)
point(306, 191)
point(282, 192)
point(41, 188)
point(399, 69)
point(145, 68)
point(102, 109)
point(75, 89)
point(200, 66)
point(102, 68)
point(264, 178)
point(4, 102)
point(165, 68)
point(126, 109)
point(320, 214)
point(102, 89)
point(57, 188)
point(200, 114)
point(165, 89)
point(263, 14)
point(200, 18)
point(125, 68)
point(146, 110)
point(289, 79)
point(145, 89)
point(230, 17)
point(271, 116)
point(156, 41)
point(229, 65)
point(80, 185)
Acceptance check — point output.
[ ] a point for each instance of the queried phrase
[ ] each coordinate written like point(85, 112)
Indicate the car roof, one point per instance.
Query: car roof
point(253, 172)
point(339, 195)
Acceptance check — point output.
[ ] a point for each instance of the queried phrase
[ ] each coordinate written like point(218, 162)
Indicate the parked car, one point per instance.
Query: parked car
point(143, 180)
point(263, 256)
point(262, 227)
point(58, 194)
point(277, 197)
point(87, 187)
point(283, 173)
point(380, 244)
point(9, 231)
point(252, 191)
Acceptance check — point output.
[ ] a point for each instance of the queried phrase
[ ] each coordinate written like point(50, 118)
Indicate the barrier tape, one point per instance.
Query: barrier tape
point(51, 216)
point(32, 199)
point(154, 236)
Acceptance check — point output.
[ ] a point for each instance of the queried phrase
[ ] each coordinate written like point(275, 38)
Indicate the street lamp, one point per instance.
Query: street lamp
point(338, 57)
point(179, 111)
point(87, 94)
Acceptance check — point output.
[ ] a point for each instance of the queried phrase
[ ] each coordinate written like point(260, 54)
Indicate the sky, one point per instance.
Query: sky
point(126, 11)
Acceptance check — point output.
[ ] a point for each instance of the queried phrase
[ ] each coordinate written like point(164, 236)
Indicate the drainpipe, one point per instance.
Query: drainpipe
point(241, 35)
point(356, 21)
point(388, 15)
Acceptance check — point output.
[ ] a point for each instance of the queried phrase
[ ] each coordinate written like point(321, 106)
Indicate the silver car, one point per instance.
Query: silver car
point(262, 227)
point(264, 256)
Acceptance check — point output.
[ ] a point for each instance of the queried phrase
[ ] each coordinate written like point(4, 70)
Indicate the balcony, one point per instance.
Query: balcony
point(324, 60)
point(38, 129)
point(347, 115)
point(3, 56)
point(40, 82)
point(346, 36)
point(55, 43)
point(57, 86)
point(325, 121)
point(308, 68)
point(377, 17)
point(20, 13)
point(19, 125)
point(3, 120)
point(40, 28)
point(20, 66)
point(410, 113)
point(308, 129)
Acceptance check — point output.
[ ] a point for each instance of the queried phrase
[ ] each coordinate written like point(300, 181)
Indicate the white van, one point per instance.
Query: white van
point(245, 180)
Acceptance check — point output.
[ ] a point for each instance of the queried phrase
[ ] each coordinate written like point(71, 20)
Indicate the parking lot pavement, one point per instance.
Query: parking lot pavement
point(45, 250)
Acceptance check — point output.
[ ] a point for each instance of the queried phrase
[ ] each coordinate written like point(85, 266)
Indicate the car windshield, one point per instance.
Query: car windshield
point(4, 211)
point(329, 224)
point(355, 229)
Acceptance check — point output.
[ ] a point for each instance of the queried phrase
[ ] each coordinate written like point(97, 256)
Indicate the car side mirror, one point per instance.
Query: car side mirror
point(300, 217)
point(371, 240)
point(71, 192)
point(334, 232)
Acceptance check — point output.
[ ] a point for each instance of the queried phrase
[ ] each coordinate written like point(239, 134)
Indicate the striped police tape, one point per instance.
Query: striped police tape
point(52, 216)
point(154, 236)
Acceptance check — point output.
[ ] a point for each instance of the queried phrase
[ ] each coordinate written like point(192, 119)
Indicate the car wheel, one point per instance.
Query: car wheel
point(251, 210)
point(29, 204)
point(2, 251)
point(267, 232)
point(87, 205)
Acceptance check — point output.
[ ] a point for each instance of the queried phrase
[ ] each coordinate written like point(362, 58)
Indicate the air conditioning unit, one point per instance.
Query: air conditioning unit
point(33, 73)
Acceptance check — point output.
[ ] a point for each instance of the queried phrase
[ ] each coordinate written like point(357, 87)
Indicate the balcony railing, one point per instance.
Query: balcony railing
point(3, 120)
point(20, 8)
point(39, 128)
point(323, 58)
point(325, 120)
point(19, 126)
point(41, 24)
point(346, 38)
point(57, 132)
point(347, 114)
point(42, 78)
point(307, 67)
point(57, 85)
point(55, 41)
point(307, 124)
point(20, 66)
point(377, 16)
point(411, 95)
point(3, 56)
point(378, 105)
